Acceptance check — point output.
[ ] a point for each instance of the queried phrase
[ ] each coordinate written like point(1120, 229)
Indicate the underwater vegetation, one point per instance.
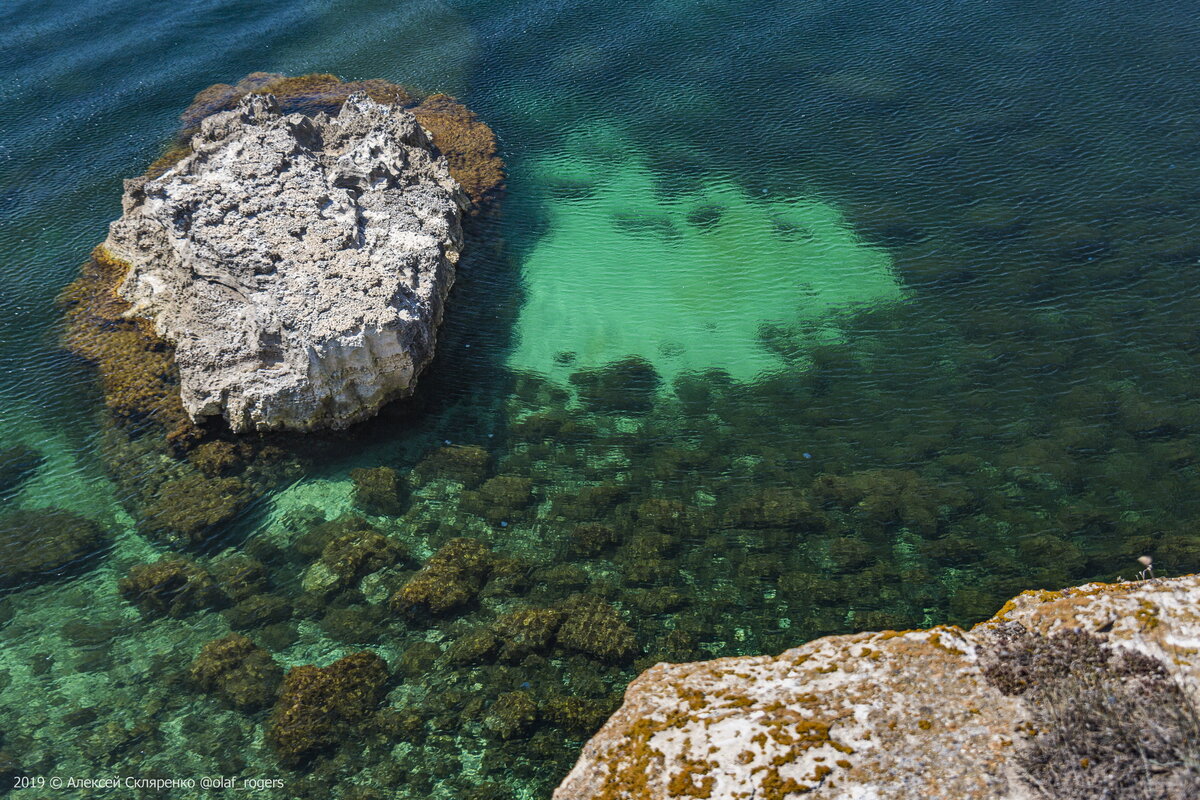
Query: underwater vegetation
point(42, 544)
point(993, 395)
point(17, 464)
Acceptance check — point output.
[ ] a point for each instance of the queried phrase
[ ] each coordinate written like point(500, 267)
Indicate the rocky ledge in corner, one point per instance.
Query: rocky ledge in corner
point(297, 264)
point(1087, 692)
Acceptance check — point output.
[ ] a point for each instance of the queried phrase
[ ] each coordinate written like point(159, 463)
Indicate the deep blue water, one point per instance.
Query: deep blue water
point(1018, 409)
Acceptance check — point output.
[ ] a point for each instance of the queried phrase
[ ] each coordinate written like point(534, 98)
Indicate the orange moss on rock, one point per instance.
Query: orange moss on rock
point(468, 144)
point(693, 780)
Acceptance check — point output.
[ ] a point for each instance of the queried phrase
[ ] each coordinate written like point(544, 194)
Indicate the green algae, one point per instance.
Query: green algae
point(688, 281)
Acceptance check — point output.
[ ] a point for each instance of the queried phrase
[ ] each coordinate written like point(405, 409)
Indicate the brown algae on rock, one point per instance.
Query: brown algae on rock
point(43, 544)
point(238, 672)
point(318, 705)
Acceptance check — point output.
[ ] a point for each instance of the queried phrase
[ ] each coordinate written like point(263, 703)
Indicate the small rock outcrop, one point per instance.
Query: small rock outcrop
point(298, 265)
point(1061, 694)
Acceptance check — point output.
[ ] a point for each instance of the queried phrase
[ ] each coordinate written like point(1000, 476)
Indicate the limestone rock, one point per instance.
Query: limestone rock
point(298, 264)
point(918, 714)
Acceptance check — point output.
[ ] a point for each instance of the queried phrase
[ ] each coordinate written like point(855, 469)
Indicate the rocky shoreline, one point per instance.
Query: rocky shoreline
point(1004, 711)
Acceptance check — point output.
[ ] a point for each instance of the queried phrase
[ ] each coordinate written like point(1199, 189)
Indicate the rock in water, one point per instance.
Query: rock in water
point(1060, 690)
point(299, 265)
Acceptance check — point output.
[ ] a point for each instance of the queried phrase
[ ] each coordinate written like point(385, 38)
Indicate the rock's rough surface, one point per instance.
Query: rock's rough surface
point(917, 714)
point(298, 265)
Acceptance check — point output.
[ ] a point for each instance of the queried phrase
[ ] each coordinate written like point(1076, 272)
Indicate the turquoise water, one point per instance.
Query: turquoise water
point(798, 318)
point(688, 282)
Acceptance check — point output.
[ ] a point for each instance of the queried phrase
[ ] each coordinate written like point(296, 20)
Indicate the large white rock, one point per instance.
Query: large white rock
point(298, 265)
point(872, 716)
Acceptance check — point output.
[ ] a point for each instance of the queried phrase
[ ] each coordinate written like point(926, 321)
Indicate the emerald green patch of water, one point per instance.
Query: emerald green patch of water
point(689, 277)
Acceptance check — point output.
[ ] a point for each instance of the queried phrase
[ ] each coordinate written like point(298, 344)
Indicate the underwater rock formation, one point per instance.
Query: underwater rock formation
point(17, 464)
point(594, 627)
point(468, 145)
point(941, 713)
point(173, 586)
point(512, 714)
point(317, 706)
point(186, 510)
point(298, 265)
point(349, 557)
point(237, 671)
point(45, 543)
point(378, 490)
point(450, 578)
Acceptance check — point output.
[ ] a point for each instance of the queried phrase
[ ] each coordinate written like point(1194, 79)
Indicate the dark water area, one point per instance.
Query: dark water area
point(911, 293)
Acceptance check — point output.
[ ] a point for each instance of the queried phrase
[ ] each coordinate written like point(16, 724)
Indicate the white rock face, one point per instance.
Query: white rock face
point(298, 265)
point(872, 716)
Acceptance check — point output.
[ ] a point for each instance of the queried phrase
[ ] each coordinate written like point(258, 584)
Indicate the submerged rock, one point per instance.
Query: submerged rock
point(511, 715)
point(17, 464)
point(297, 265)
point(318, 708)
point(1068, 690)
point(238, 672)
point(593, 627)
point(45, 543)
point(173, 586)
point(450, 579)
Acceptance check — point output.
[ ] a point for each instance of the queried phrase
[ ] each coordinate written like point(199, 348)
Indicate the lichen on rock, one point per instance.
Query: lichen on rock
point(938, 713)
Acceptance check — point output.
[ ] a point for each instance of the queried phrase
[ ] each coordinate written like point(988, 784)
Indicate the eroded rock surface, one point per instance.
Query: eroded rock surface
point(298, 265)
point(919, 714)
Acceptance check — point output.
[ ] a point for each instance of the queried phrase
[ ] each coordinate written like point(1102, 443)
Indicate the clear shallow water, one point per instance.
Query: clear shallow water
point(1003, 399)
point(688, 281)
